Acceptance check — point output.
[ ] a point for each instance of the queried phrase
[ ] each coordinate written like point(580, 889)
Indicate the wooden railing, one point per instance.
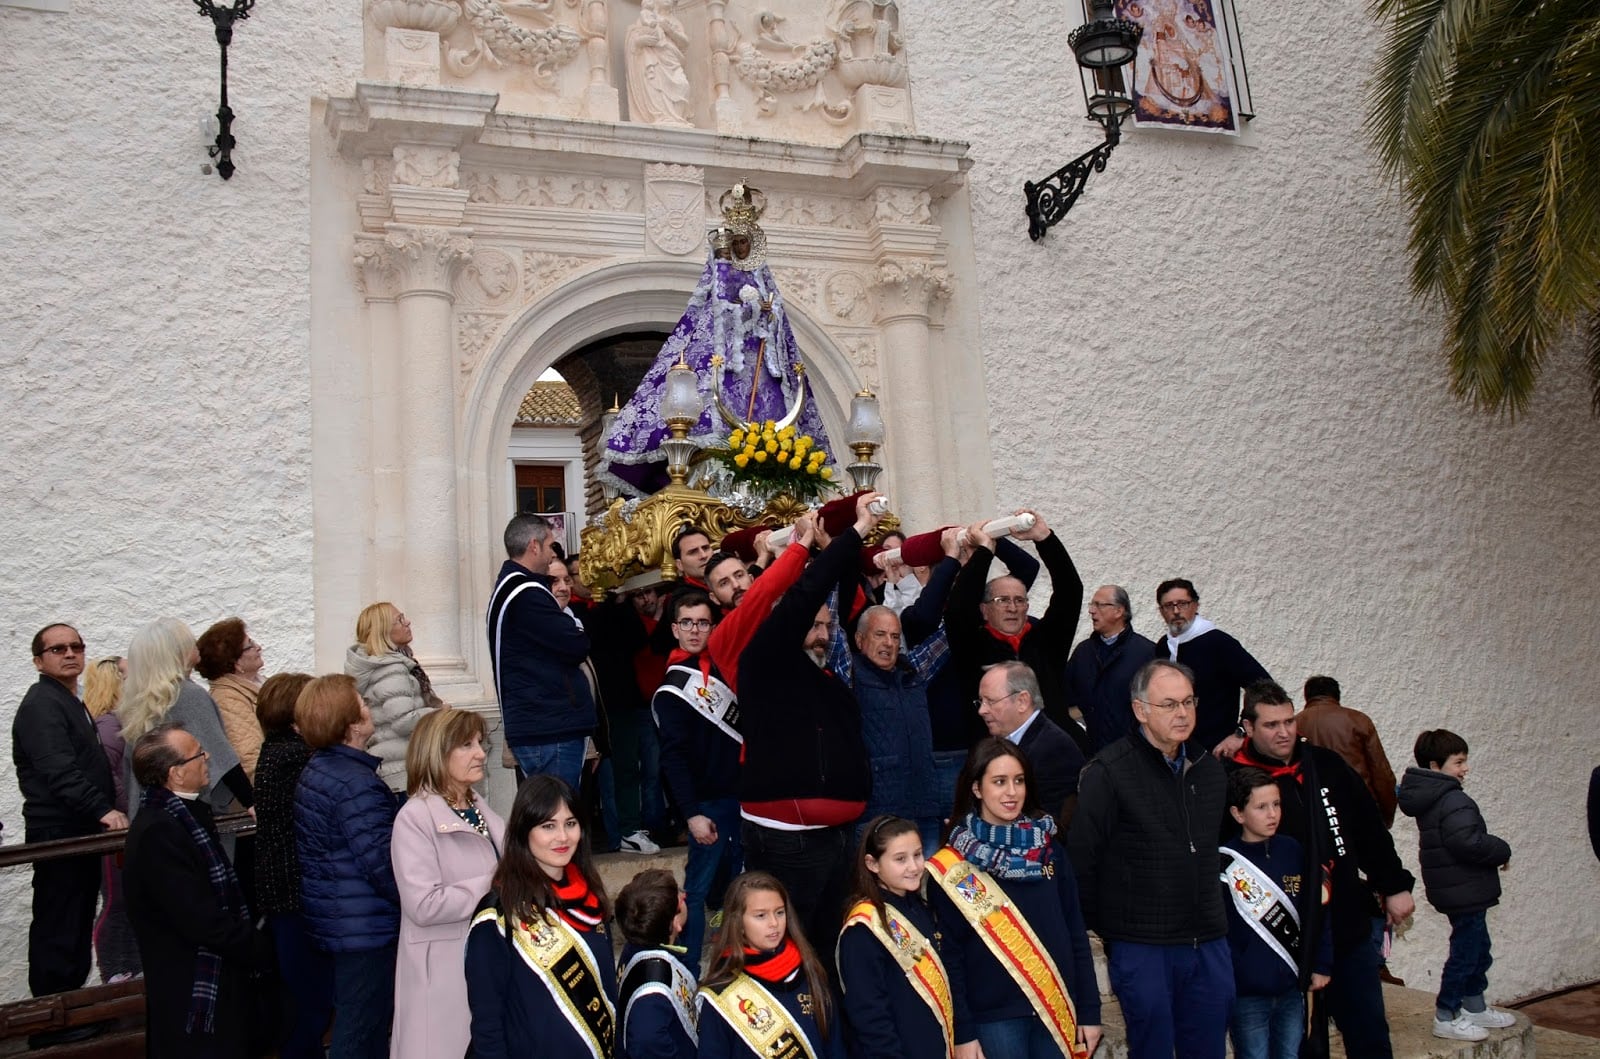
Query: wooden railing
point(119, 1006)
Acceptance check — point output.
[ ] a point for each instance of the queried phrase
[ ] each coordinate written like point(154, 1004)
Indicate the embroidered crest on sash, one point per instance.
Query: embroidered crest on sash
point(561, 959)
point(916, 957)
point(656, 973)
point(707, 696)
point(1263, 906)
point(760, 1020)
point(1012, 942)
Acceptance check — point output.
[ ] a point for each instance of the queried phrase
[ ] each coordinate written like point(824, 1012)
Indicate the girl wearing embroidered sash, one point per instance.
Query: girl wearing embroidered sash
point(903, 992)
point(657, 1003)
point(540, 976)
point(766, 995)
point(1007, 893)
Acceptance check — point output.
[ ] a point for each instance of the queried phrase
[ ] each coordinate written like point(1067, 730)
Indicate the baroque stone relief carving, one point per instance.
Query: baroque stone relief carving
point(902, 205)
point(675, 207)
point(799, 285)
point(861, 46)
point(498, 40)
point(437, 16)
point(473, 334)
point(489, 279)
point(377, 173)
point(566, 192)
point(426, 167)
point(377, 270)
point(658, 84)
point(848, 297)
point(826, 211)
point(862, 350)
point(429, 257)
point(911, 286)
point(542, 270)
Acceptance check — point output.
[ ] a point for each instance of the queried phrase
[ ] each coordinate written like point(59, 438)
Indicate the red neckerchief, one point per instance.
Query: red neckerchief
point(703, 660)
point(1244, 757)
point(773, 967)
point(576, 902)
point(1014, 641)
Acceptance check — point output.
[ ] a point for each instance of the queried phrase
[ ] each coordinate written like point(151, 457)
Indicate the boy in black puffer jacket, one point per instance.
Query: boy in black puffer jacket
point(1459, 858)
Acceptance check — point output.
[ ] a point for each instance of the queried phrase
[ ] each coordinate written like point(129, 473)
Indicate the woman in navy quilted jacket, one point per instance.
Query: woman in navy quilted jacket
point(343, 818)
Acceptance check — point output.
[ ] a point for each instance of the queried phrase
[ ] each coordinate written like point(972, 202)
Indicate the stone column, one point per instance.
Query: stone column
point(378, 280)
point(427, 259)
point(906, 292)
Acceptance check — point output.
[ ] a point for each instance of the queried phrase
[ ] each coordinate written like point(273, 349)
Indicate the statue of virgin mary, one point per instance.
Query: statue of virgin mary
point(736, 313)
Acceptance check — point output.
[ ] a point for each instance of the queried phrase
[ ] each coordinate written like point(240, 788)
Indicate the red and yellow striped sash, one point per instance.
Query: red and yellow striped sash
point(1010, 939)
point(916, 957)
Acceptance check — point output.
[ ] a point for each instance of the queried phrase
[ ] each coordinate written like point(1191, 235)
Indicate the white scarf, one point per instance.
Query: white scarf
point(1197, 628)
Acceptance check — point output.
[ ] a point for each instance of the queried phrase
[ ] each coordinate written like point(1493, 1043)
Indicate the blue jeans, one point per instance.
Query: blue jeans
point(1017, 1039)
point(1176, 999)
point(1268, 1027)
point(363, 1003)
point(605, 784)
point(652, 802)
point(708, 872)
point(563, 760)
point(1466, 970)
point(307, 974)
point(1354, 998)
point(947, 771)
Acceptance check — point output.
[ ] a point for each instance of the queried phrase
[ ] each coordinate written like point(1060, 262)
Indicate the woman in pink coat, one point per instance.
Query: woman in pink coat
point(446, 844)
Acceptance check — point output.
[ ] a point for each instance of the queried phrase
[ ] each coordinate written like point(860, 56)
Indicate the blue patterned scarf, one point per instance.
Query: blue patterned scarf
point(225, 885)
point(1018, 850)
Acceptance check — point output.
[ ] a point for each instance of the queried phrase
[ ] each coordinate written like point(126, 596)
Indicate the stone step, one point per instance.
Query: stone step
point(1410, 1010)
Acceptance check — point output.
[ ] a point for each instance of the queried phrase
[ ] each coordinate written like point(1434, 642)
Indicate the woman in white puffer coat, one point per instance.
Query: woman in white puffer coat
point(392, 684)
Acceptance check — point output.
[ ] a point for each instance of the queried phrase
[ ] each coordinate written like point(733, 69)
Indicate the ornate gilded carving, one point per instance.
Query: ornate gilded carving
point(489, 279)
point(426, 167)
point(566, 192)
point(675, 207)
point(497, 40)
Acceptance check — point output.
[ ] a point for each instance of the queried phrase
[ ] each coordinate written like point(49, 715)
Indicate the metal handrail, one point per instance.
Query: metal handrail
point(106, 842)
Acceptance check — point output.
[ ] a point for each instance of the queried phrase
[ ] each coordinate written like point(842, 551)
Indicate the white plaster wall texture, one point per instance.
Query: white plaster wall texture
point(153, 337)
point(1211, 369)
point(1234, 388)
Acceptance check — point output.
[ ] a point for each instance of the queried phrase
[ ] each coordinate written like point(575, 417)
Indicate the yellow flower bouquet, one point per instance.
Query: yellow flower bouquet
point(776, 460)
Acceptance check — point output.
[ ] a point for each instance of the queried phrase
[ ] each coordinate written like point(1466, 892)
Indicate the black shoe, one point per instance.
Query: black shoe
point(69, 1035)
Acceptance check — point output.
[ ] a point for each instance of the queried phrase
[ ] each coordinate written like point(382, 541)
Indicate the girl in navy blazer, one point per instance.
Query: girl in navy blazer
point(540, 976)
point(908, 1002)
point(762, 956)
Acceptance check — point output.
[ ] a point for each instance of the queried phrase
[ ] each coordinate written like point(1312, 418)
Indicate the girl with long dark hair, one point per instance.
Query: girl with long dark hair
point(765, 982)
point(539, 961)
point(902, 986)
point(1005, 892)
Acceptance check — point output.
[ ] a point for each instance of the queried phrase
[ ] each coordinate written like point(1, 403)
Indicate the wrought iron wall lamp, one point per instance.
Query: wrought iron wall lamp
point(224, 17)
point(1103, 45)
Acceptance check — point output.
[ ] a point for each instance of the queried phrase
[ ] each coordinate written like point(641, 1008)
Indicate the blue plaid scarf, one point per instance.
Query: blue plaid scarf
point(1018, 850)
point(225, 885)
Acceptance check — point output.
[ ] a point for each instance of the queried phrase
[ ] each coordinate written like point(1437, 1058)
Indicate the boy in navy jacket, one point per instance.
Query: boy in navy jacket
point(1268, 882)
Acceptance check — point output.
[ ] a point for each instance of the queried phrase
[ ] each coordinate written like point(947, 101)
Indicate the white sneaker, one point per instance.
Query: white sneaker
point(1490, 1019)
point(1459, 1028)
point(639, 842)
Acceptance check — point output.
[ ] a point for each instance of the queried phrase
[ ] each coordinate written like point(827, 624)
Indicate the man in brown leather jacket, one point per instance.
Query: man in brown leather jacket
point(1325, 722)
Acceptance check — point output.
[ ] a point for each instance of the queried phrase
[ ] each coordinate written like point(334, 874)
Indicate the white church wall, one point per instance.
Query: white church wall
point(153, 336)
point(1212, 369)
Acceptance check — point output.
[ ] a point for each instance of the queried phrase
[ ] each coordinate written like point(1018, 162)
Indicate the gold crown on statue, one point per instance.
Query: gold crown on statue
point(742, 205)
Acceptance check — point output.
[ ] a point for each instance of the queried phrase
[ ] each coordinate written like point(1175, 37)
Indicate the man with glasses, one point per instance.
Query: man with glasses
point(988, 621)
point(1144, 847)
point(1102, 667)
point(1008, 703)
point(1222, 667)
point(67, 792)
point(698, 717)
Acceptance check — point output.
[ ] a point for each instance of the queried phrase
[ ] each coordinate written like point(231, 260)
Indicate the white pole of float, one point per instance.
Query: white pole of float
point(780, 537)
point(1000, 527)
